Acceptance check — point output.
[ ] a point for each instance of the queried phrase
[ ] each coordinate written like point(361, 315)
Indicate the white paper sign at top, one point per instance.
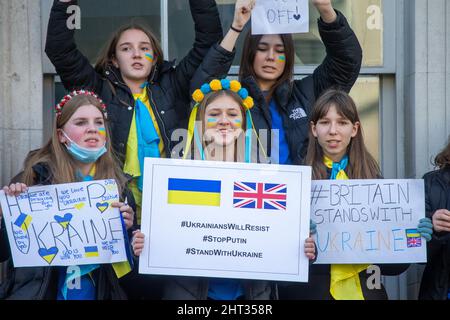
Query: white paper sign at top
point(368, 221)
point(225, 220)
point(280, 16)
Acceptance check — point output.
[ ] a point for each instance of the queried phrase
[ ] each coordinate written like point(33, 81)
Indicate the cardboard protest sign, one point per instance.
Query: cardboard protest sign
point(280, 16)
point(368, 221)
point(66, 224)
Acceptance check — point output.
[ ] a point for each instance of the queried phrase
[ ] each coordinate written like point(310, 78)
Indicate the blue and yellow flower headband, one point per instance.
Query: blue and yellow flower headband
point(217, 85)
point(224, 84)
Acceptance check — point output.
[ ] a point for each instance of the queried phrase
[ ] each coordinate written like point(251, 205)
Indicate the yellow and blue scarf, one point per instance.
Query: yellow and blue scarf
point(344, 282)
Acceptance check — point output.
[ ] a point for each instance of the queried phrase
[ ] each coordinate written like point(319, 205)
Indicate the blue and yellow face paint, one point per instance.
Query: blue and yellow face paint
point(237, 123)
point(211, 122)
point(102, 131)
point(282, 58)
point(149, 57)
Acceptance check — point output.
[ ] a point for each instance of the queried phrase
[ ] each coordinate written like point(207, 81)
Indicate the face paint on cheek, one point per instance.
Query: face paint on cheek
point(282, 58)
point(102, 131)
point(237, 123)
point(212, 122)
point(149, 57)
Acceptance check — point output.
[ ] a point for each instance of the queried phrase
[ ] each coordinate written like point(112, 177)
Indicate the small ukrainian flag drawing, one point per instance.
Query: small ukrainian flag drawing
point(194, 192)
point(23, 221)
point(413, 238)
point(91, 252)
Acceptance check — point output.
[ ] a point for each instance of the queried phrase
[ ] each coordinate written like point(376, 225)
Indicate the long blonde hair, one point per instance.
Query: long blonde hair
point(61, 165)
point(361, 164)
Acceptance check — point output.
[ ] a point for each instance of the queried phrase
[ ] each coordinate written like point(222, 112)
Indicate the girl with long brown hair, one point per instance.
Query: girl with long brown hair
point(282, 104)
point(336, 151)
point(78, 150)
point(147, 97)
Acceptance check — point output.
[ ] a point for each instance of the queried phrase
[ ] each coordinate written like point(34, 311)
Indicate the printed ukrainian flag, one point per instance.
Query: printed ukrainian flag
point(91, 252)
point(194, 192)
point(23, 221)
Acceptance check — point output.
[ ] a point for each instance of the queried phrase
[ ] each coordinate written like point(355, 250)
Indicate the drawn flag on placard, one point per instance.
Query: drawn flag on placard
point(91, 252)
point(413, 238)
point(23, 221)
point(194, 192)
point(252, 195)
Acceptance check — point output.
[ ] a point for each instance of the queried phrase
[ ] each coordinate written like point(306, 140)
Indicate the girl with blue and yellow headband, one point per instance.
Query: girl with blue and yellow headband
point(220, 129)
point(337, 151)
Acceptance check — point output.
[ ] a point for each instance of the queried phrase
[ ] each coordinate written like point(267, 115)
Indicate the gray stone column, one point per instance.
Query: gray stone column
point(427, 82)
point(21, 93)
point(426, 93)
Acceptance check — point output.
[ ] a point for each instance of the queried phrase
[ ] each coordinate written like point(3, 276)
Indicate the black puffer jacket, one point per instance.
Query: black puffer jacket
point(40, 283)
point(436, 277)
point(168, 87)
point(295, 100)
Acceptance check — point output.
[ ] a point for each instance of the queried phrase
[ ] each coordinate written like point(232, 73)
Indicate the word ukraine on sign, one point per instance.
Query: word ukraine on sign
point(368, 221)
point(280, 16)
point(63, 225)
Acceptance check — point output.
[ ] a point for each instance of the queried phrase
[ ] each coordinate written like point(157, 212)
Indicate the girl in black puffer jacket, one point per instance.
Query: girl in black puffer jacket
point(147, 97)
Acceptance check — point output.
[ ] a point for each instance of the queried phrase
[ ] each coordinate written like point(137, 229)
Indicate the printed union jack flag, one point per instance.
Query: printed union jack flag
point(252, 195)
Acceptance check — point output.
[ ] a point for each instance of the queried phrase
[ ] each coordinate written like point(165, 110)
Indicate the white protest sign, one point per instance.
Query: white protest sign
point(66, 224)
point(280, 16)
point(225, 220)
point(368, 221)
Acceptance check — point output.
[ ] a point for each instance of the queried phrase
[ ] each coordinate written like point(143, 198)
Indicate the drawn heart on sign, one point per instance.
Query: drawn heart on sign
point(48, 254)
point(297, 16)
point(79, 206)
point(102, 207)
point(64, 221)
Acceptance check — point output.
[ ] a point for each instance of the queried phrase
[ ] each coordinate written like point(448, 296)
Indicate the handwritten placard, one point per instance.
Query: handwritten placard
point(62, 225)
point(280, 16)
point(368, 221)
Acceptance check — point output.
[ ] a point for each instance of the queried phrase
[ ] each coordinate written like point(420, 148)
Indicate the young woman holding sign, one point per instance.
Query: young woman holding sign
point(435, 283)
point(336, 150)
point(217, 131)
point(282, 104)
point(79, 150)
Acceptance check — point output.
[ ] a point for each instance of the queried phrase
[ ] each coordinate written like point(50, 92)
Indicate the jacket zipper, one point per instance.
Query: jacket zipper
point(44, 287)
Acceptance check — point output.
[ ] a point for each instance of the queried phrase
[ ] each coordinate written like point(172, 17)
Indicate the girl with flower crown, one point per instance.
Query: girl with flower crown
point(220, 129)
point(336, 150)
point(78, 150)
